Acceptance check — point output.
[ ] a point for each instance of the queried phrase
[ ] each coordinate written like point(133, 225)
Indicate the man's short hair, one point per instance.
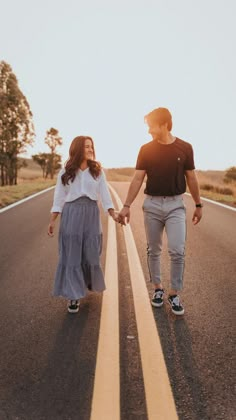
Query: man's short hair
point(160, 116)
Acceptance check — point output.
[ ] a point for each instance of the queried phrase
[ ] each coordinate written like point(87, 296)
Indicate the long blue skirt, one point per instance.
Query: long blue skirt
point(80, 247)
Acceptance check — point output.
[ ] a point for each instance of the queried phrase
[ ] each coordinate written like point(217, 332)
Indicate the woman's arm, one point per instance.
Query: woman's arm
point(105, 195)
point(59, 194)
point(58, 203)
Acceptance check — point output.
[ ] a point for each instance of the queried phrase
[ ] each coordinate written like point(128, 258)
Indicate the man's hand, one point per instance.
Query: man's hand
point(197, 215)
point(124, 216)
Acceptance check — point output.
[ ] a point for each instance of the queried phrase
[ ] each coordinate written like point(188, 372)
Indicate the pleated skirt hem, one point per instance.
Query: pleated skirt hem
point(74, 283)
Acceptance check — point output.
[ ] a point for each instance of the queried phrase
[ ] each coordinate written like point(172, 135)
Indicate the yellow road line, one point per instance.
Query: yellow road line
point(106, 392)
point(159, 398)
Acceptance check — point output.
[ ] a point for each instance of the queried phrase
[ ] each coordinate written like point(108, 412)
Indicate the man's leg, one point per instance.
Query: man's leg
point(154, 226)
point(176, 234)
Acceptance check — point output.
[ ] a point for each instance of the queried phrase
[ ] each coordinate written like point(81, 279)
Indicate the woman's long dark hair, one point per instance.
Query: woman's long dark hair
point(76, 157)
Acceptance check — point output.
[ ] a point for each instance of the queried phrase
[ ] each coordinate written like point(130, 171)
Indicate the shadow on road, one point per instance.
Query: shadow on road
point(62, 388)
point(182, 368)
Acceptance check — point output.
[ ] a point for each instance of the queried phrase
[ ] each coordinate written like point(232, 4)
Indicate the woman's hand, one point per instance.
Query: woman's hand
point(51, 228)
point(51, 225)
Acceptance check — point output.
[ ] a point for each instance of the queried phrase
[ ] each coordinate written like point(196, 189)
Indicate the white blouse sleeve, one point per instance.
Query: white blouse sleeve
point(105, 195)
point(59, 194)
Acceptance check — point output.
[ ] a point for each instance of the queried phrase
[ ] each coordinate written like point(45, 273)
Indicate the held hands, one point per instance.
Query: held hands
point(122, 217)
point(115, 217)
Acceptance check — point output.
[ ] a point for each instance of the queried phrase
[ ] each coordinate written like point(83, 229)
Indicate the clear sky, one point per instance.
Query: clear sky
point(97, 67)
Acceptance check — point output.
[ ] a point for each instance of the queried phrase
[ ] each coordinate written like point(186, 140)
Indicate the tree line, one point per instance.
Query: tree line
point(17, 131)
point(50, 162)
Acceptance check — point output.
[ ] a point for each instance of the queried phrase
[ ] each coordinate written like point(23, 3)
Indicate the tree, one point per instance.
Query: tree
point(16, 125)
point(53, 140)
point(42, 160)
point(53, 164)
point(230, 174)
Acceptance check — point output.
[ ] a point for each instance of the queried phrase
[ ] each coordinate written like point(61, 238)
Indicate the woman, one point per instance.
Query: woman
point(79, 186)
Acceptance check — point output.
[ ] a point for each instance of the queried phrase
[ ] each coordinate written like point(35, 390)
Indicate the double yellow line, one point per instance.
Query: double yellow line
point(106, 394)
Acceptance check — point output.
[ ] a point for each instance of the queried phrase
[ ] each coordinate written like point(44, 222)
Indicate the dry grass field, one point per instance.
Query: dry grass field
point(212, 186)
point(211, 183)
point(30, 180)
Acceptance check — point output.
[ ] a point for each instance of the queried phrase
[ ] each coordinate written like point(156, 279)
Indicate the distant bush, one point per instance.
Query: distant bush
point(230, 174)
point(219, 190)
point(224, 190)
point(119, 174)
point(122, 171)
point(207, 187)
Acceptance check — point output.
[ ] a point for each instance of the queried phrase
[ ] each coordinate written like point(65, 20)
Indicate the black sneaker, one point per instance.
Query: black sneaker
point(157, 299)
point(176, 306)
point(73, 306)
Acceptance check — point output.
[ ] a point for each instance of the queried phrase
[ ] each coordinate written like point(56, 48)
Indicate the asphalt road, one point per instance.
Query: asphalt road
point(48, 356)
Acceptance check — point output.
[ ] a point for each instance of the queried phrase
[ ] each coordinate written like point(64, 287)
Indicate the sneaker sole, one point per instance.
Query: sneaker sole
point(157, 305)
point(73, 311)
point(177, 313)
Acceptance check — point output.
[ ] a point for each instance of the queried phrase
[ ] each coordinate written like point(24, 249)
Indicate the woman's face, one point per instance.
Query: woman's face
point(88, 150)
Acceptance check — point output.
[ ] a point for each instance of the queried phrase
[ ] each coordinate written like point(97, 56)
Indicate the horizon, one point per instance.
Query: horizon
point(126, 167)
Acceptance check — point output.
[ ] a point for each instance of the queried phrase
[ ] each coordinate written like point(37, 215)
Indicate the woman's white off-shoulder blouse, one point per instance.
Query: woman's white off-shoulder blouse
point(83, 185)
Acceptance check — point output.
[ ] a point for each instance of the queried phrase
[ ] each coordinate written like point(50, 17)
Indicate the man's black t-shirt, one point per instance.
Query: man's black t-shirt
point(165, 165)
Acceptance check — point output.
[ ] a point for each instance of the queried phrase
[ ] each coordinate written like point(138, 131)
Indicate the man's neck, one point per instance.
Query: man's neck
point(168, 139)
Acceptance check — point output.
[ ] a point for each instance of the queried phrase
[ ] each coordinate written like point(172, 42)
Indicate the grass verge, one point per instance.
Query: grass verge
point(30, 182)
point(230, 200)
point(11, 193)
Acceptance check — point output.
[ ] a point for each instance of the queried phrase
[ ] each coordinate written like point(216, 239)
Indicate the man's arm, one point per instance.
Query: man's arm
point(193, 186)
point(134, 188)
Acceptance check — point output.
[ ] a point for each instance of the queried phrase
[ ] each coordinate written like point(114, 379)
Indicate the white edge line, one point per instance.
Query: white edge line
point(25, 199)
point(216, 203)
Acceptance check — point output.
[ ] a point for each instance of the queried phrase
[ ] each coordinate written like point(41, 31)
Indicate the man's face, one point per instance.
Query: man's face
point(155, 130)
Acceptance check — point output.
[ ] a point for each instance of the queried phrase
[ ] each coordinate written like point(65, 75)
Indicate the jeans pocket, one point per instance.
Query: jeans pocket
point(147, 204)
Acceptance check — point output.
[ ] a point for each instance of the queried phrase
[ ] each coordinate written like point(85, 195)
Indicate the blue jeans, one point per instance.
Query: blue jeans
point(168, 213)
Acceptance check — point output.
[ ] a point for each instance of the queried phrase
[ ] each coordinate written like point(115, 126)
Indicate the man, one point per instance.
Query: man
point(168, 163)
